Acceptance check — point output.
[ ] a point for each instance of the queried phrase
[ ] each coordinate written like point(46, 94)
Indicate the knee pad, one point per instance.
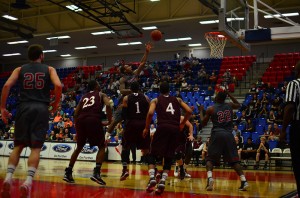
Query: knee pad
point(168, 163)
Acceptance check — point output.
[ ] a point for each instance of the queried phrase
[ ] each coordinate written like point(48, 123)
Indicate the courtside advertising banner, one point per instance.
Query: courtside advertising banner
point(44, 150)
point(61, 150)
point(2, 147)
point(9, 148)
point(88, 153)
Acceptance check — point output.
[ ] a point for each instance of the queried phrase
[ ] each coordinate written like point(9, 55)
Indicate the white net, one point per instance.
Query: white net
point(217, 42)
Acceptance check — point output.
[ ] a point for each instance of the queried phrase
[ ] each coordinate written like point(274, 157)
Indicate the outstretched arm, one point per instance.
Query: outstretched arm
point(57, 88)
point(144, 59)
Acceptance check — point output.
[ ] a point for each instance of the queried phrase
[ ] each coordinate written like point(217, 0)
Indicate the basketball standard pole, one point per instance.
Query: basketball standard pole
point(255, 14)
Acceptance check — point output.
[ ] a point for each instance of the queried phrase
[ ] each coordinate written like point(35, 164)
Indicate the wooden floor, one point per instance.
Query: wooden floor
point(48, 182)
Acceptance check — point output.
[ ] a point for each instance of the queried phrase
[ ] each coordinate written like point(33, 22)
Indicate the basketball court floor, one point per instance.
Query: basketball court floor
point(48, 181)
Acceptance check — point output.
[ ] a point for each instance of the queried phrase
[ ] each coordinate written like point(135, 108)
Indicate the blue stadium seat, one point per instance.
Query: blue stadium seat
point(260, 129)
point(262, 121)
point(241, 127)
point(255, 137)
point(246, 135)
point(272, 144)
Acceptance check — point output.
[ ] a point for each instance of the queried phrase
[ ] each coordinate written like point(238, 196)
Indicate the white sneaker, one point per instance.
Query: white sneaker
point(210, 184)
point(6, 188)
point(176, 171)
point(25, 190)
point(187, 175)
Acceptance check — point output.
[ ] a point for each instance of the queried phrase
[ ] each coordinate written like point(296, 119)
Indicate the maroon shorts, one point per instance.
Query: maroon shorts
point(133, 135)
point(164, 141)
point(181, 143)
point(89, 129)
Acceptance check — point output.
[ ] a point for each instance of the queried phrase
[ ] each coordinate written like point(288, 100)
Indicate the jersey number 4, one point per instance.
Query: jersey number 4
point(170, 109)
point(34, 81)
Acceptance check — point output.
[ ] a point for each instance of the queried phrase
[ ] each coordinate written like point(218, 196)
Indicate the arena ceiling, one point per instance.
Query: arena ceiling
point(175, 18)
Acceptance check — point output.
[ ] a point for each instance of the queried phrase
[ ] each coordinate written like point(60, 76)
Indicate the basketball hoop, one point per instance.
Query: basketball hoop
point(217, 42)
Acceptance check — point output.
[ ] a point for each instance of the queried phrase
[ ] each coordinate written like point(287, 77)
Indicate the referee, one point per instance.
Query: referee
point(292, 116)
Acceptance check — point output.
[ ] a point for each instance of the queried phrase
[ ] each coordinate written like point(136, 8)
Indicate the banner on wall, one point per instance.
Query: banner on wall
point(44, 150)
point(61, 150)
point(2, 147)
point(88, 153)
point(9, 148)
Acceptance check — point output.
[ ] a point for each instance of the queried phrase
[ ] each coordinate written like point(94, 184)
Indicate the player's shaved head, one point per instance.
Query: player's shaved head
point(135, 87)
point(164, 88)
point(221, 96)
point(93, 85)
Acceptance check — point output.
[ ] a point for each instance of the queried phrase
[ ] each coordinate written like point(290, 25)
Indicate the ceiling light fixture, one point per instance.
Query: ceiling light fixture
point(13, 54)
point(101, 33)
point(48, 51)
point(9, 17)
point(131, 43)
point(195, 45)
point(65, 55)
point(149, 28)
point(178, 39)
point(208, 22)
point(17, 42)
point(284, 14)
point(58, 37)
point(86, 47)
point(74, 8)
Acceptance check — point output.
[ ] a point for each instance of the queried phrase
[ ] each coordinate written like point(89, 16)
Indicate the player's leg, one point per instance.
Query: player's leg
point(187, 157)
point(166, 169)
point(68, 177)
point(125, 161)
point(97, 170)
point(12, 164)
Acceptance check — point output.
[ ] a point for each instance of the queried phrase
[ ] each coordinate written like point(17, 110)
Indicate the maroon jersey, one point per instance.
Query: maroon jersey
point(168, 110)
point(138, 107)
point(91, 105)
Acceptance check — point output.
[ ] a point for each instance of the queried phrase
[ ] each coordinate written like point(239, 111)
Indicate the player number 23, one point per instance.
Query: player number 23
point(88, 102)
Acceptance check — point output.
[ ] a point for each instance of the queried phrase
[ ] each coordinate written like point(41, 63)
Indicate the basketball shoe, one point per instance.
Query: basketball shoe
point(68, 176)
point(244, 186)
point(160, 187)
point(210, 184)
point(96, 176)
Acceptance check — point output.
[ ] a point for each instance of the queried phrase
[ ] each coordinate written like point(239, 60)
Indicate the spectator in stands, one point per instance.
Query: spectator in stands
point(239, 146)
point(235, 119)
point(213, 78)
point(243, 119)
point(265, 99)
point(279, 116)
point(259, 83)
point(155, 86)
point(263, 112)
point(52, 136)
point(68, 123)
point(178, 95)
point(235, 130)
point(202, 74)
point(55, 129)
point(6, 136)
point(197, 149)
point(72, 103)
point(61, 123)
point(60, 136)
point(226, 78)
point(269, 88)
point(249, 151)
point(253, 89)
point(196, 88)
point(262, 153)
point(57, 118)
point(249, 126)
point(184, 85)
point(276, 104)
point(271, 118)
point(268, 131)
point(283, 88)
point(274, 135)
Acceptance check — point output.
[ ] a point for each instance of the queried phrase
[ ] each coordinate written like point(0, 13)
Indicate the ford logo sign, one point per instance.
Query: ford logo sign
point(89, 150)
point(11, 146)
point(44, 147)
point(61, 148)
point(1, 145)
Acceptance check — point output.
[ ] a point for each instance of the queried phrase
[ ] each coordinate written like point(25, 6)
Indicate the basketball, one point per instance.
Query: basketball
point(156, 35)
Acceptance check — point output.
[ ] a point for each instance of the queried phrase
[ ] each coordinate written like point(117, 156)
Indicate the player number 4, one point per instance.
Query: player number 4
point(170, 109)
